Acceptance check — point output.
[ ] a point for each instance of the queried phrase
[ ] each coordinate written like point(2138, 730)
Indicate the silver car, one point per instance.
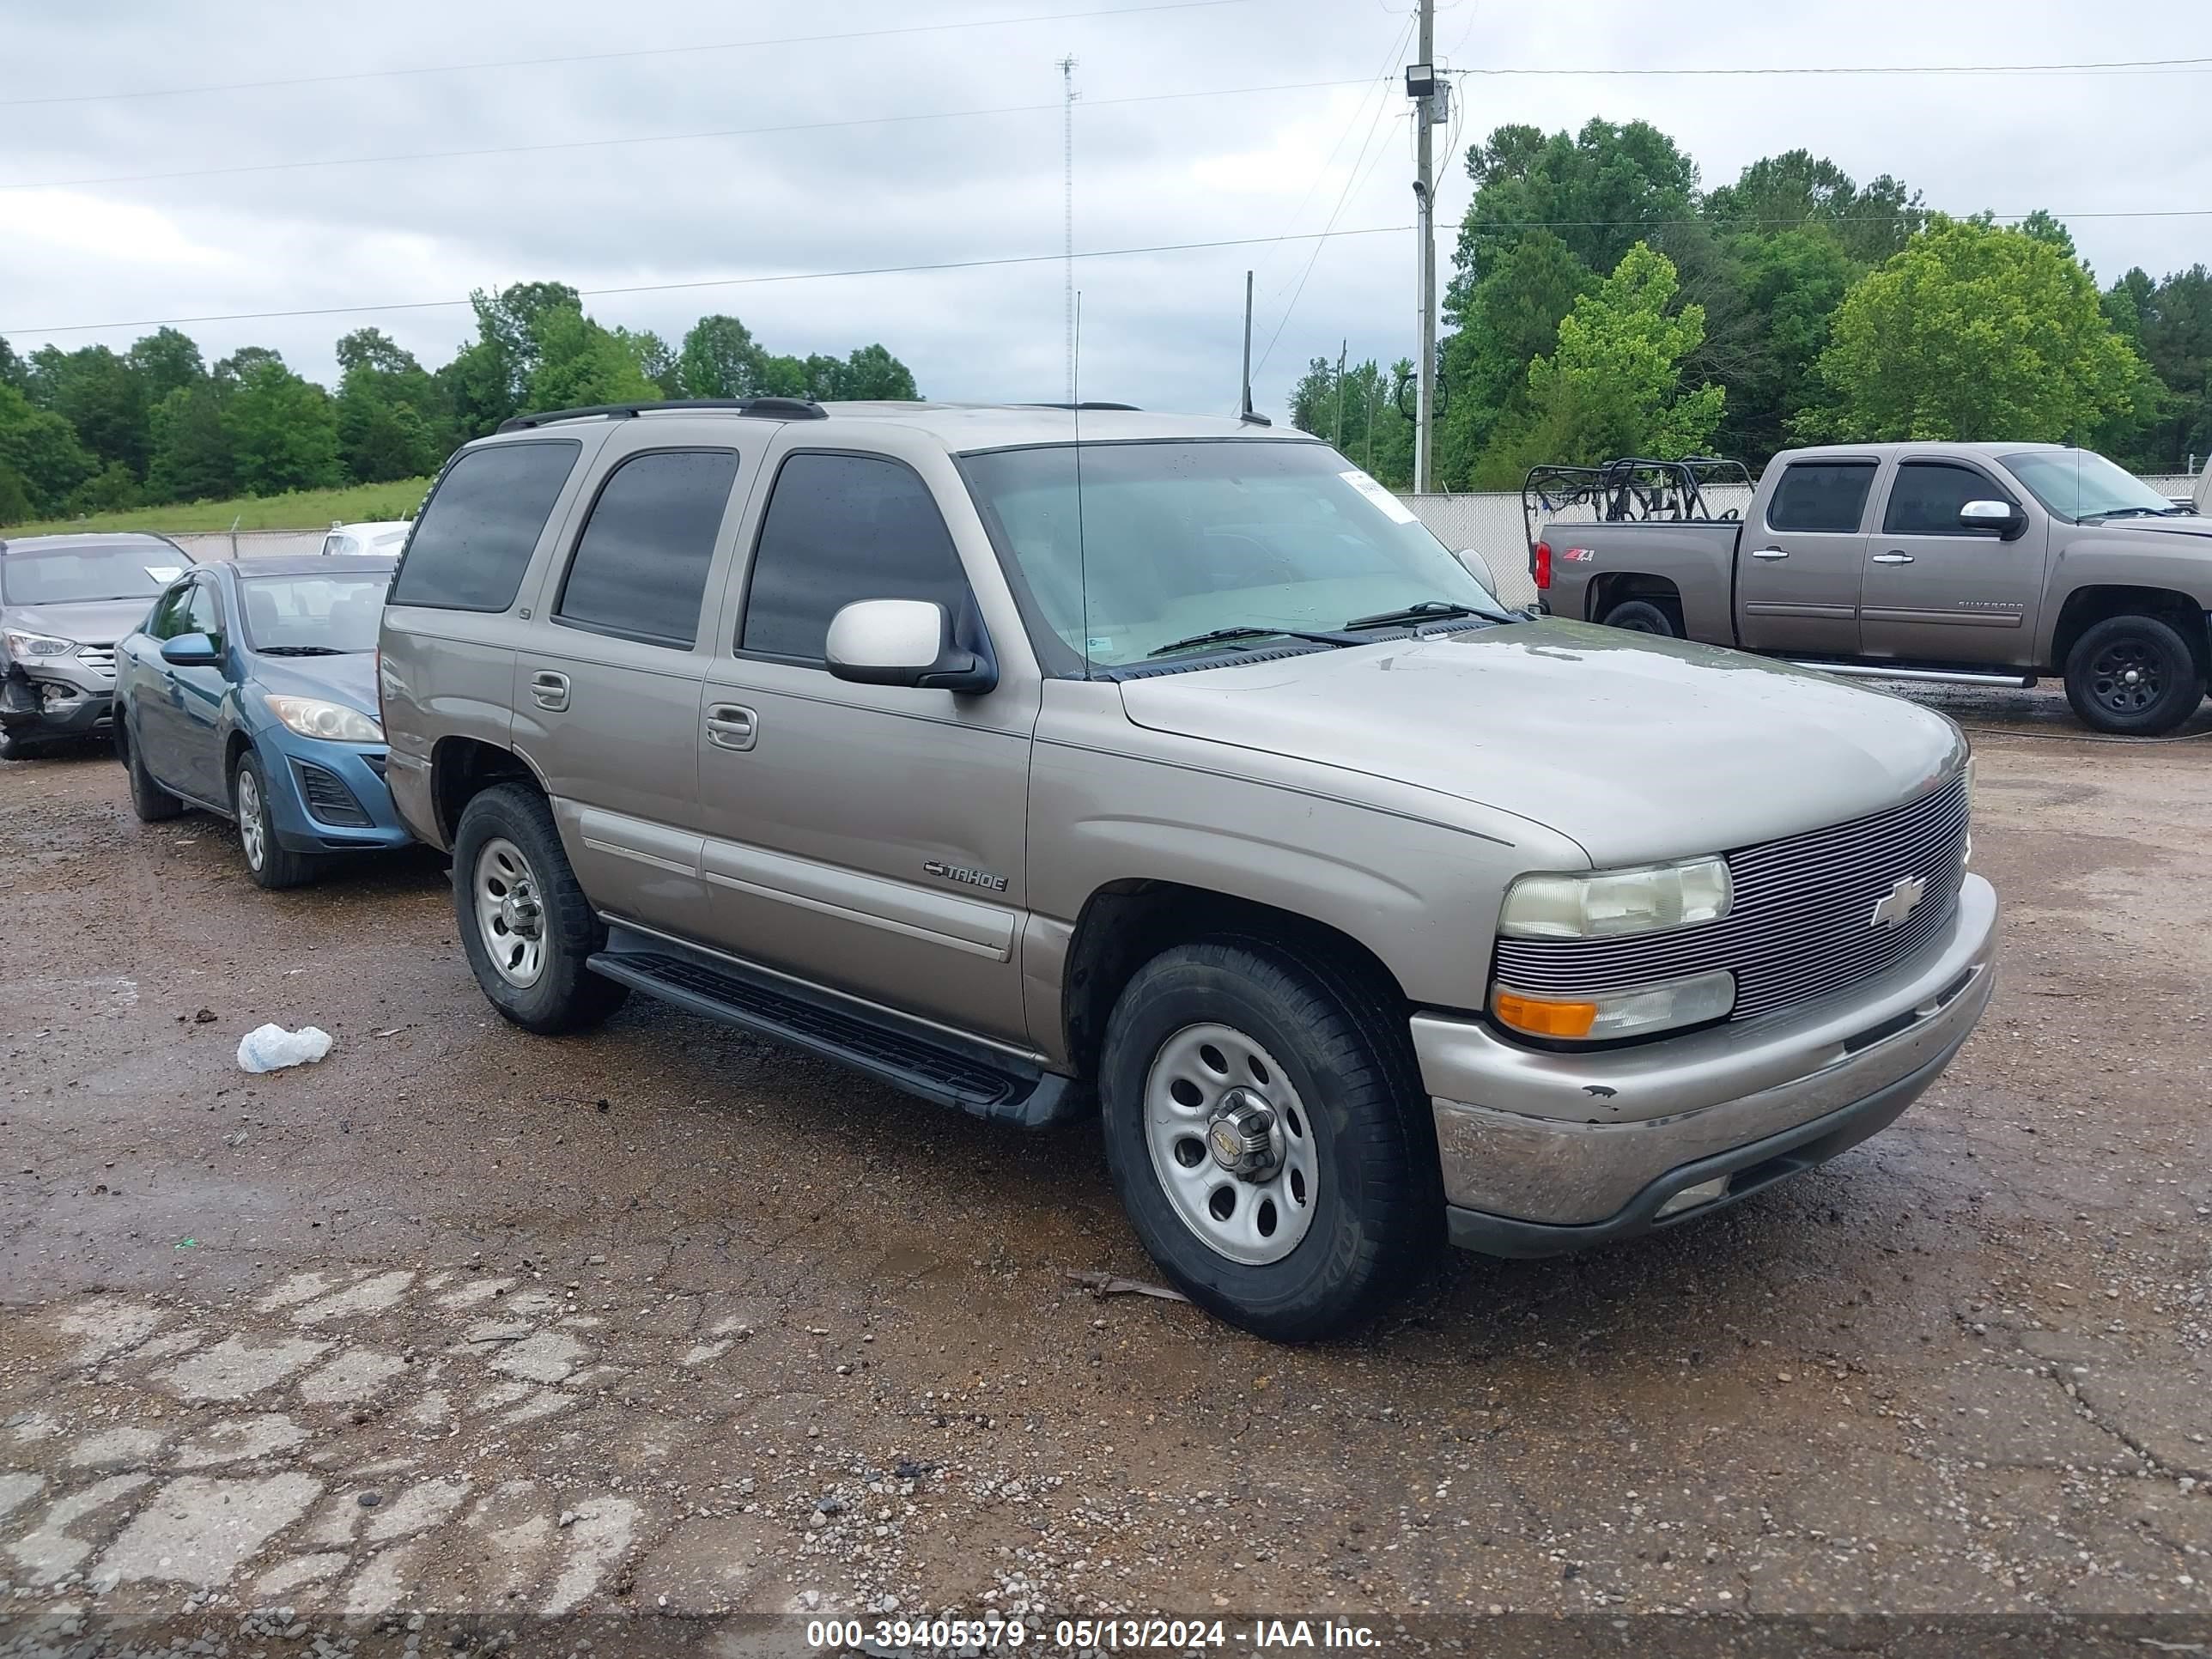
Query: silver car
point(1053, 763)
point(64, 601)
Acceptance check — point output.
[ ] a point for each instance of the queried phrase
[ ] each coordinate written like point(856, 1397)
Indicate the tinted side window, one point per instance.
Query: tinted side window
point(1820, 496)
point(167, 620)
point(842, 528)
point(641, 565)
point(203, 611)
point(480, 525)
point(1926, 497)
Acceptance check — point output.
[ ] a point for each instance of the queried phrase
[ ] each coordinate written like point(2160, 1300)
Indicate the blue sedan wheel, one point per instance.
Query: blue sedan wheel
point(270, 863)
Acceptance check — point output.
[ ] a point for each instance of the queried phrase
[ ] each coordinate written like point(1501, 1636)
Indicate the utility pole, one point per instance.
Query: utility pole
point(1068, 209)
point(1244, 406)
point(1421, 84)
point(1342, 351)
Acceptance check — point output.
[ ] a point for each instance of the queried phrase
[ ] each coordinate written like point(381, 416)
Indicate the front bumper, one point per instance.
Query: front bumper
point(1545, 1152)
point(293, 813)
point(39, 708)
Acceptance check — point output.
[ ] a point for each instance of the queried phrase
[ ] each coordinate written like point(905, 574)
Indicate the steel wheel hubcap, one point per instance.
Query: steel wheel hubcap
point(2128, 676)
point(1232, 1143)
point(510, 918)
point(252, 828)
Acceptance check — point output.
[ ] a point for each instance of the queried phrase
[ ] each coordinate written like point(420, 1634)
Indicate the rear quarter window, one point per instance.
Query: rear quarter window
point(481, 525)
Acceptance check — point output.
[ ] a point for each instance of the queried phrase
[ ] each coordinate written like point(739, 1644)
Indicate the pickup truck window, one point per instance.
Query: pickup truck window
point(2078, 484)
point(1820, 496)
point(481, 525)
point(842, 528)
point(1177, 540)
point(1925, 497)
point(641, 565)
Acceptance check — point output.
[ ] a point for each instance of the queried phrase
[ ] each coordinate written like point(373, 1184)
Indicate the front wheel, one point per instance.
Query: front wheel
point(270, 863)
point(524, 922)
point(2134, 677)
point(1265, 1130)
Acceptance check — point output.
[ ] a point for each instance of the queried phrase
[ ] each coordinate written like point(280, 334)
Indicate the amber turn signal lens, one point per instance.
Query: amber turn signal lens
point(1546, 1019)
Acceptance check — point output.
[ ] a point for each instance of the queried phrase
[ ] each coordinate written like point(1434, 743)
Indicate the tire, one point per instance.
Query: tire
point(510, 875)
point(272, 863)
point(2168, 681)
point(21, 749)
point(152, 803)
point(1358, 1200)
point(1658, 616)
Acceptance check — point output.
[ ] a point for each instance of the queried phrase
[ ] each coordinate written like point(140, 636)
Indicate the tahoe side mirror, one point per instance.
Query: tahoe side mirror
point(2002, 517)
point(903, 642)
point(190, 651)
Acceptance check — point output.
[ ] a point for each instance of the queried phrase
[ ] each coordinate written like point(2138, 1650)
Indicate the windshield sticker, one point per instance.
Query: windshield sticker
point(1398, 512)
point(165, 573)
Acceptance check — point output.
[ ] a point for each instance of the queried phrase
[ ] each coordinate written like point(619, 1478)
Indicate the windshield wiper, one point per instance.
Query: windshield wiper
point(1420, 612)
point(1230, 635)
point(304, 651)
point(2131, 513)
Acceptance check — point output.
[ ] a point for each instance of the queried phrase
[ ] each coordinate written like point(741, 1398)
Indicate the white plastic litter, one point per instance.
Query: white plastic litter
point(271, 1048)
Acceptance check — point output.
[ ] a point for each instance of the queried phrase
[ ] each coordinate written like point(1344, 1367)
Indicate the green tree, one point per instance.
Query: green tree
point(1792, 282)
point(1373, 434)
point(112, 489)
point(41, 462)
point(1504, 321)
point(193, 459)
point(99, 395)
point(13, 371)
point(2041, 226)
point(1601, 191)
point(2176, 332)
point(1973, 332)
point(654, 358)
point(1780, 192)
point(720, 359)
point(390, 413)
point(283, 430)
point(489, 379)
point(163, 360)
point(872, 373)
point(578, 364)
point(1613, 385)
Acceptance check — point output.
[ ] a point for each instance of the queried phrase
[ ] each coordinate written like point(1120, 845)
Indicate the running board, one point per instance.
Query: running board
point(936, 1065)
point(1861, 670)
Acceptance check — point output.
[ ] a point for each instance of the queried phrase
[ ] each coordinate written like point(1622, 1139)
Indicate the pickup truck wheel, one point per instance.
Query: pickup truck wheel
point(524, 922)
point(1645, 617)
point(1264, 1128)
point(2134, 676)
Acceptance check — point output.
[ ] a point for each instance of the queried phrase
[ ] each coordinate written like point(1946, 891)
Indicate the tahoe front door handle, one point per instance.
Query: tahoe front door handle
point(1768, 553)
point(1893, 558)
point(550, 691)
point(729, 725)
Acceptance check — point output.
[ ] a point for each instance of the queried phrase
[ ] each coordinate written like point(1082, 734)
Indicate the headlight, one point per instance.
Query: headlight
point(312, 718)
point(1609, 902)
point(23, 644)
point(1604, 1015)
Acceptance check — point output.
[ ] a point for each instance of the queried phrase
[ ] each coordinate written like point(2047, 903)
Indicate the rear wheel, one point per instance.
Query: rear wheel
point(524, 922)
point(2133, 676)
point(1264, 1128)
point(270, 863)
point(148, 799)
point(1658, 616)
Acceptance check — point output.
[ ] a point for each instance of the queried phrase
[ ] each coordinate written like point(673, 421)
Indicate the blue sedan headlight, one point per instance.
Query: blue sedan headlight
point(311, 717)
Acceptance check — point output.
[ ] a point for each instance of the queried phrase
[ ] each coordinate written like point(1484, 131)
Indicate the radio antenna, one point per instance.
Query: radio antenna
point(1075, 413)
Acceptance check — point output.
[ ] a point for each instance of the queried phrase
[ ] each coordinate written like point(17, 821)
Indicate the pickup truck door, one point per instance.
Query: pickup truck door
point(1937, 593)
point(1801, 557)
point(866, 838)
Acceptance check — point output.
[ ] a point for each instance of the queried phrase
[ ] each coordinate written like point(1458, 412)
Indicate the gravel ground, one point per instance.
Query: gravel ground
point(663, 1323)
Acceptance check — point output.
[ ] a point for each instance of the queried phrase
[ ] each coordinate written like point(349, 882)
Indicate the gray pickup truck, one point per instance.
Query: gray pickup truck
point(1981, 563)
point(1167, 772)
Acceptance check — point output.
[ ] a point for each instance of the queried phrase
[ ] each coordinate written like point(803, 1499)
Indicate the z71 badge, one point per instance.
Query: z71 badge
point(972, 878)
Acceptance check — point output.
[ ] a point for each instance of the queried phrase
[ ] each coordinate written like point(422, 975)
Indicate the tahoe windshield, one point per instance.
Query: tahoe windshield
point(80, 576)
point(313, 616)
point(1224, 545)
point(2077, 483)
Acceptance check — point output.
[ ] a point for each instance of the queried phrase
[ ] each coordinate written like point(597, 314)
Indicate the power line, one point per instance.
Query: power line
point(2125, 66)
point(603, 56)
point(710, 282)
point(655, 137)
point(1040, 259)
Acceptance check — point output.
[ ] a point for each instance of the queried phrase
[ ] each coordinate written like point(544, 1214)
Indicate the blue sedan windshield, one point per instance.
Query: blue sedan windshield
point(313, 616)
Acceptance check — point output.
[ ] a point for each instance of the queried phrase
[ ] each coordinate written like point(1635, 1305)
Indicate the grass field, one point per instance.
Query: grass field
point(307, 509)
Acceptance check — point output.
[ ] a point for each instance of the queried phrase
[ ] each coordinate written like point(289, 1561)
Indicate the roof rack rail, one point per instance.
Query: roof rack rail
point(1083, 406)
point(772, 408)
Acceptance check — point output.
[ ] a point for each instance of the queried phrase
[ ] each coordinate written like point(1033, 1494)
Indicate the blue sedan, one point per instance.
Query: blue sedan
point(250, 691)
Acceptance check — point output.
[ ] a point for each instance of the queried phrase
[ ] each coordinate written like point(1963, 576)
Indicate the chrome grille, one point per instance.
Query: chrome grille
point(102, 657)
point(1801, 925)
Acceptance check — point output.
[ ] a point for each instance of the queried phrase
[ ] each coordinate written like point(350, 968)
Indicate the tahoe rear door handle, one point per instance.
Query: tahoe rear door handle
point(1891, 558)
point(730, 725)
point(1768, 553)
point(550, 691)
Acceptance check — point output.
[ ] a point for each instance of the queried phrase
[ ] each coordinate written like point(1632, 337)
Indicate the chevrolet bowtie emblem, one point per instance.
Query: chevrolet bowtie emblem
point(1897, 906)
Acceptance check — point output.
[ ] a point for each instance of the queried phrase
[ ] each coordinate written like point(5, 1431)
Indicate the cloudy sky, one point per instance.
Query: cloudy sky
point(1227, 120)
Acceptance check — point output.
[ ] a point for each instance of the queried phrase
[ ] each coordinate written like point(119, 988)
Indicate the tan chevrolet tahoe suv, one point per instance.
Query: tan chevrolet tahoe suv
point(1049, 763)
